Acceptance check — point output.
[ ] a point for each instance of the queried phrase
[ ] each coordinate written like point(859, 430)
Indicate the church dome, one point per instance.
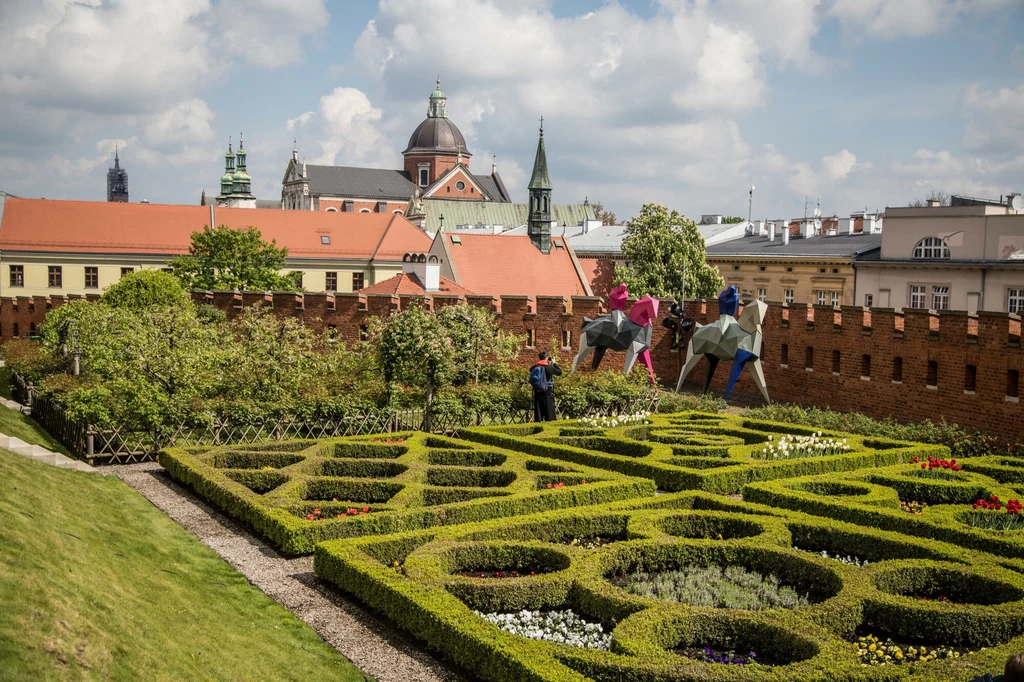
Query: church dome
point(437, 134)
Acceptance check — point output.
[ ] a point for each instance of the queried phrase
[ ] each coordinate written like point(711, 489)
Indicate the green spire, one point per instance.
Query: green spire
point(540, 178)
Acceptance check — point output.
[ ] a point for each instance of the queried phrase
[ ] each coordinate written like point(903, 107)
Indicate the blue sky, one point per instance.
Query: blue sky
point(863, 103)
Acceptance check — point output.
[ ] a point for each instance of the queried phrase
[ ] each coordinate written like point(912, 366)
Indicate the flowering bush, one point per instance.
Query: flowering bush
point(612, 422)
point(873, 651)
point(988, 516)
point(564, 627)
point(317, 515)
point(849, 560)
point(791, 447)
point(589, 543)
point(913, 507)
point(943, 469)
point(733, 587)
point(709, 655)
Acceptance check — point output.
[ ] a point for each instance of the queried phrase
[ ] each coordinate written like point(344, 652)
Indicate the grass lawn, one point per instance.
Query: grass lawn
point(96, 583)
point(18, 425)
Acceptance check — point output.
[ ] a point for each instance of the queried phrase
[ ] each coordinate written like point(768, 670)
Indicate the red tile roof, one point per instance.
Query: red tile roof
point(497, 265)
point(47, 225)
point(408, 284)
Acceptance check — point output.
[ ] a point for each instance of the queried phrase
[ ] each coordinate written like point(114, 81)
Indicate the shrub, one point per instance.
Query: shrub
point(29, 359)
point(144, 289)
point(733, 587)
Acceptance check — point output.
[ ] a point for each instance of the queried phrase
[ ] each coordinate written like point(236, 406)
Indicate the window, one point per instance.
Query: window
point(821, 270)
point(762, 294)
point(357, 281)
point(865, 366)
point(297, 279)
point(16, 334)
point(331, 209)
point(364, 332)
point(834, 298)
point(566, 338)
point(365, 210)
point(789, 269)
point(92, 278)
point(558, 245)
point(531, 338)
point(836, 361)
point(916, 295)
point(332, 281)
point(17, 276)
point(809, 358)
point(1012, 380)
point(325, 239)
point(761, 268)
point(835, 271)
point(821, 297)
point(424, 177)
point(55, 276)
point(788, 296)
point(460, 185)
point(869, 300)
point(348, 206)
point(785, 354)
point(932, 378)
point(940, 298)
point(735, 267)
point(970, 378)
point(897, 370)
point(1014, 300)
point(931, 247)
point(456, 239)
point(127, 271)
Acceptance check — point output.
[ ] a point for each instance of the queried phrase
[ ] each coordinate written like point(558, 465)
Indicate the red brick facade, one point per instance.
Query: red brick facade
point(918, 364)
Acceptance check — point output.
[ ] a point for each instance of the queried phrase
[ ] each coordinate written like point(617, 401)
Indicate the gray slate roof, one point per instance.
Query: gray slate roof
point(834, 247)
point(365, 183)
point(604, 239)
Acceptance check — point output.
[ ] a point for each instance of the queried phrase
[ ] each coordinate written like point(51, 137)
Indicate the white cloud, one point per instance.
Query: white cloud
point(996, 119)
point(347, 128)
point(269, 33)
point(912, 18)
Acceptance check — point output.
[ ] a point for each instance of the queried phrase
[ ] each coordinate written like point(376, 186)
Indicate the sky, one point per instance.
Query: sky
point(856, 104)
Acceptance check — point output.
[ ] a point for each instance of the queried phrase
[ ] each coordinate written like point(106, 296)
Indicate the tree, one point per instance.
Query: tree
point(944, 198)
point(732, 220)
point(143, 289)
point(606, 217)
point(223, 258)
point(414, 348)
point(659, 247)
point(475, 334)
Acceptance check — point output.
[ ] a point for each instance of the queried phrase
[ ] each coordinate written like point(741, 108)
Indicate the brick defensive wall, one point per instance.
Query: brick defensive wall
point(881, 362)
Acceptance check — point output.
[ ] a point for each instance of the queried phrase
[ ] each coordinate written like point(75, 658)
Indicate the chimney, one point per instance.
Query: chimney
point(869, 220)
point(808, 228)
point(846, 225)
point(771, 232)
point(426, 268)
point(785, 236)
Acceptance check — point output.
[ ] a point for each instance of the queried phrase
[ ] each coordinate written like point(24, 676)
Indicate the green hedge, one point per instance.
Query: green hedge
point(427, 595)
point(397, 482)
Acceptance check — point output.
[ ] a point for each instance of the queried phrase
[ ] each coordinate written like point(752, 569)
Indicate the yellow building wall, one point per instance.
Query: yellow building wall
point(805, 279)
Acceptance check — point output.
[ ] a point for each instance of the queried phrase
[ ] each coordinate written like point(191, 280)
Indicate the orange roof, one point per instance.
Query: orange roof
point(48, 225)
point(408, 284)
point(497, 265)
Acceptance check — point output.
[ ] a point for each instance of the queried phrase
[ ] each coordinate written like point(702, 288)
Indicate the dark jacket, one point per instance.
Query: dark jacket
point(544, 401)
point(988, 677)
point(551, 370)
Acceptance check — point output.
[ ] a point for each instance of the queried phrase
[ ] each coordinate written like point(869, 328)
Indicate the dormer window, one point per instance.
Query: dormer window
point(325, 239)
point(932, 248)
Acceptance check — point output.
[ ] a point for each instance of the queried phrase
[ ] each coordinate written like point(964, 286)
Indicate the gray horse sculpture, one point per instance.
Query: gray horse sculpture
point(729, 338)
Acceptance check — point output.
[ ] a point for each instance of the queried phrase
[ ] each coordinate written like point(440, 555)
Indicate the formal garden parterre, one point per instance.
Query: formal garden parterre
point(834, 557)
point(298, 493)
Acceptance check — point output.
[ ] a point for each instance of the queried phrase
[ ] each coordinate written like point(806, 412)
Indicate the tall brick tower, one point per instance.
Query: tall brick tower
point(117, 182)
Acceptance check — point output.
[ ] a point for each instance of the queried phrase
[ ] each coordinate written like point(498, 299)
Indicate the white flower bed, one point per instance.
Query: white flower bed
point(611, 422)
point(564, 627)
point(792, 447)
point(848, 560)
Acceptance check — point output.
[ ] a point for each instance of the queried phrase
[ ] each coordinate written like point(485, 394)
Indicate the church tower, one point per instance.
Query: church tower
point(117, 182)
point(235, 184)
point(539, 227)
point(437, 144)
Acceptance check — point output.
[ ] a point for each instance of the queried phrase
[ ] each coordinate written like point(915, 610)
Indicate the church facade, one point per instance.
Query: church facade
point(436, 165)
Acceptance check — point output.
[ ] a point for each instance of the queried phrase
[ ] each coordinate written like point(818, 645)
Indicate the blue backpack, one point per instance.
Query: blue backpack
point(539, 379)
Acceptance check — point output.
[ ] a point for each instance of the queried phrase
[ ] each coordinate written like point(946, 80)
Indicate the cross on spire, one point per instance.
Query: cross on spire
point(541, 125)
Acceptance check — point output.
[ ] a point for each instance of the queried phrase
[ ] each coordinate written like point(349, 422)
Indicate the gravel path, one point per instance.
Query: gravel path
point(368, 642)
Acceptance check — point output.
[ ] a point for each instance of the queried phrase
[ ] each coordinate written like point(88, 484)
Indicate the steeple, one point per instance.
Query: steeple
point(539, 226)
point(117, 181)
point(438, 107)
point(295, 149)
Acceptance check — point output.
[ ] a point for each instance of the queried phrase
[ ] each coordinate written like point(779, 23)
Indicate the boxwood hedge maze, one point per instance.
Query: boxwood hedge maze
point(770, 552)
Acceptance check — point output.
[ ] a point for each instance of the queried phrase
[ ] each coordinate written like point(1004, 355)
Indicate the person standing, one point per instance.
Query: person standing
point(542, 380)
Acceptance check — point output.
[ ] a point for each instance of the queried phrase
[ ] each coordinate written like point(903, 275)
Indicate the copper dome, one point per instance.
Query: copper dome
point(436, 134)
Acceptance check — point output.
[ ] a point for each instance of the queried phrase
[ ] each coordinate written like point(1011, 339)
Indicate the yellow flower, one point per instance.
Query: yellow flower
point(898, 654)
point(872, 647)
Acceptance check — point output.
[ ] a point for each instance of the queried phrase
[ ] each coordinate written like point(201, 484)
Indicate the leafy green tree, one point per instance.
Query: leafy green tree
point(732, 220)
point(222, 258)
point(414, 348)
point(475, 335)
point(144, 289)
point(660, 247)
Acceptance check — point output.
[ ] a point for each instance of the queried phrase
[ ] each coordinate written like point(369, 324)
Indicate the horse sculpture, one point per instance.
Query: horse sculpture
point(618, 331)
point(729, 338)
